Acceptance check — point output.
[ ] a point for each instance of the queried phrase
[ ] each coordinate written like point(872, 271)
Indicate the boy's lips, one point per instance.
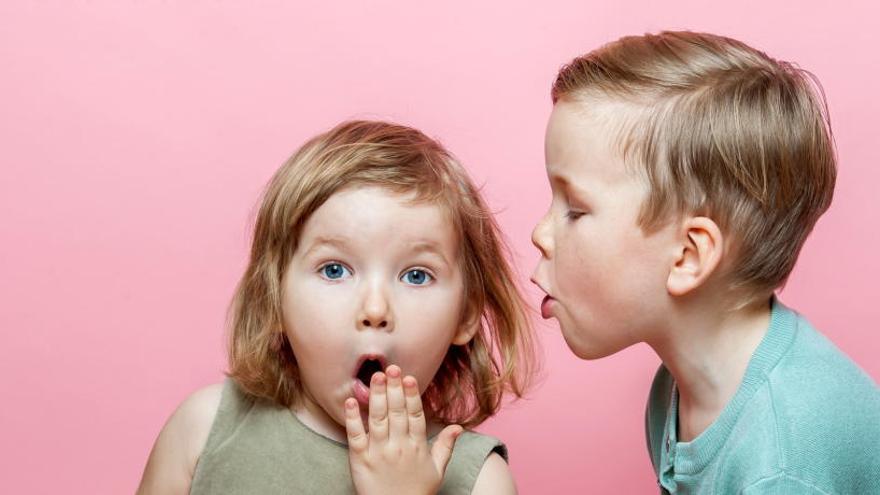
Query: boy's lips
point(547, 303)
point(547, 307)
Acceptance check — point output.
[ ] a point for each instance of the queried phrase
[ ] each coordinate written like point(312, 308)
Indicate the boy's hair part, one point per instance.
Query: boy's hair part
point(472, 379)
point(722, 130)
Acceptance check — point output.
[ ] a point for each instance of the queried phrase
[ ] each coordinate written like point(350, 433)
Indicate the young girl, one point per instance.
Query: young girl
point(372, 251)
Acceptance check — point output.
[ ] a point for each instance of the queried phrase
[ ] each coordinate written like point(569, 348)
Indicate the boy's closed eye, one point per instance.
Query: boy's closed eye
point(575, 207)
point(573, 215)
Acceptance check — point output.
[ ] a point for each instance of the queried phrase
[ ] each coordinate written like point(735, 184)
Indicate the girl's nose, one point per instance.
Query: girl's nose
point(375, 311)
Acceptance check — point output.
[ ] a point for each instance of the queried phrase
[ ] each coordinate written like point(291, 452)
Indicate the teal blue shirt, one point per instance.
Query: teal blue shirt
point(805, 420)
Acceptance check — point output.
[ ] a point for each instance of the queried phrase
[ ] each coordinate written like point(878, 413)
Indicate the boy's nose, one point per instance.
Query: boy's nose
point(375, 311)
point(541, 236)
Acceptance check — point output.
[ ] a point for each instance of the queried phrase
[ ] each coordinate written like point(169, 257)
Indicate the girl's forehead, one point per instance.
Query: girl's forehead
point(381, 204)
point(380, 217)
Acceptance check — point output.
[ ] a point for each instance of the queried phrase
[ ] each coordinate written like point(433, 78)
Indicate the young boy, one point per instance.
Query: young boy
point(687, 170)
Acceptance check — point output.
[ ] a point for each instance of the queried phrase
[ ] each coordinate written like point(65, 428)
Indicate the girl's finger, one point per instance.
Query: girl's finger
point(378, 416)
point(354, 427)
point(414, 411)
point(398, 423)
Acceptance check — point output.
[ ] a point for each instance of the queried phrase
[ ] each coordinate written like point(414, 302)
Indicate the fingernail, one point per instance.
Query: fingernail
point(393, 371)
point(378, 378)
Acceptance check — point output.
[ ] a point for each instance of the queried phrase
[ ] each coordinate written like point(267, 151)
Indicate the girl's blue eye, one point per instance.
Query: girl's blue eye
point(334, 271)
point(417, 277)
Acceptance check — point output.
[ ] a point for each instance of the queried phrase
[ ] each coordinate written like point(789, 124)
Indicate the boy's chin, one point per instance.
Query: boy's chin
point(589, 351)
point(590, 354)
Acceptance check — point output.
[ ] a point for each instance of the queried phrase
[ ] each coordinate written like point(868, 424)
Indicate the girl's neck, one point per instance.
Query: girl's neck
point(707, 353)
point(313, 417)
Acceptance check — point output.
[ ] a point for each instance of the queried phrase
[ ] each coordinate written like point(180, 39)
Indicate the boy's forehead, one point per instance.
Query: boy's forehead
point(597, 116)
point(587, 134)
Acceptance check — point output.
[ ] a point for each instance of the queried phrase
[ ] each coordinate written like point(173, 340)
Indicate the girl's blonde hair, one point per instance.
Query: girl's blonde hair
point(472, 379)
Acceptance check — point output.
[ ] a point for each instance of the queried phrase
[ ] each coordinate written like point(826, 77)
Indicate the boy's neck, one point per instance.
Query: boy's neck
point(707, 352)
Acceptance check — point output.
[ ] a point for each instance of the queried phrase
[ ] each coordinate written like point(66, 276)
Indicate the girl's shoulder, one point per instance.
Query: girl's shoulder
point(494, 476)
point(176, 452)
point(194, 417)
point(479, 465)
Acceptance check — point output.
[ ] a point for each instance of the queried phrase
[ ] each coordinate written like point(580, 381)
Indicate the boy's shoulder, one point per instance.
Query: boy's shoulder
point(814, 371)
point(826, 411)
point(817, 390)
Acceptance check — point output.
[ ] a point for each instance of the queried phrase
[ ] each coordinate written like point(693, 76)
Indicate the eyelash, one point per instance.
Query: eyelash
point(430, 276)
point(331, 263)
point(574, 215)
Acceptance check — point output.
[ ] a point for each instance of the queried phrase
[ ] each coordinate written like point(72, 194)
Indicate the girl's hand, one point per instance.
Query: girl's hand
point(394, 456)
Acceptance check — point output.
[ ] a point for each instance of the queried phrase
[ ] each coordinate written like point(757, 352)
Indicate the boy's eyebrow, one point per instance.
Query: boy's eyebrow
point(564, 183)
point(558, 177)
point(555, 177)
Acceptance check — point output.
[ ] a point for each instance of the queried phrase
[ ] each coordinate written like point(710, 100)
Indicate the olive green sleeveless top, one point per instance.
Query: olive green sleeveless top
point(256, 447)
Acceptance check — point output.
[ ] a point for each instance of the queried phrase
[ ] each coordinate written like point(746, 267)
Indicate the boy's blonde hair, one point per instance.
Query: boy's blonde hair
point(472, 379)
point(720, 130)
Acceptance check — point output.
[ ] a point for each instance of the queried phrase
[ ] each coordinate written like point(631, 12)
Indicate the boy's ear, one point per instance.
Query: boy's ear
point(468, 328)
point(699, 254)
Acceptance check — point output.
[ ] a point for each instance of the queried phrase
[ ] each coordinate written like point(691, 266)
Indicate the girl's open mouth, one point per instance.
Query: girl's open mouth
point(368, 365)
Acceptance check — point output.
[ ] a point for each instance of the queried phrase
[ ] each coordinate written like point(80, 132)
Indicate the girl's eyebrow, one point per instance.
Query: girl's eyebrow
point(341, 243)
point(430, 247)
point(324, 241)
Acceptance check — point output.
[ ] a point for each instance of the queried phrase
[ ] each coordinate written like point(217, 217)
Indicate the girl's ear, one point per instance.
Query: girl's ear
point(468, 328)
point(700, 251)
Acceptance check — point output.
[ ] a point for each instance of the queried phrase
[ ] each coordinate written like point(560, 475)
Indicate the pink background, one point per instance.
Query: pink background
point(136, 136)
